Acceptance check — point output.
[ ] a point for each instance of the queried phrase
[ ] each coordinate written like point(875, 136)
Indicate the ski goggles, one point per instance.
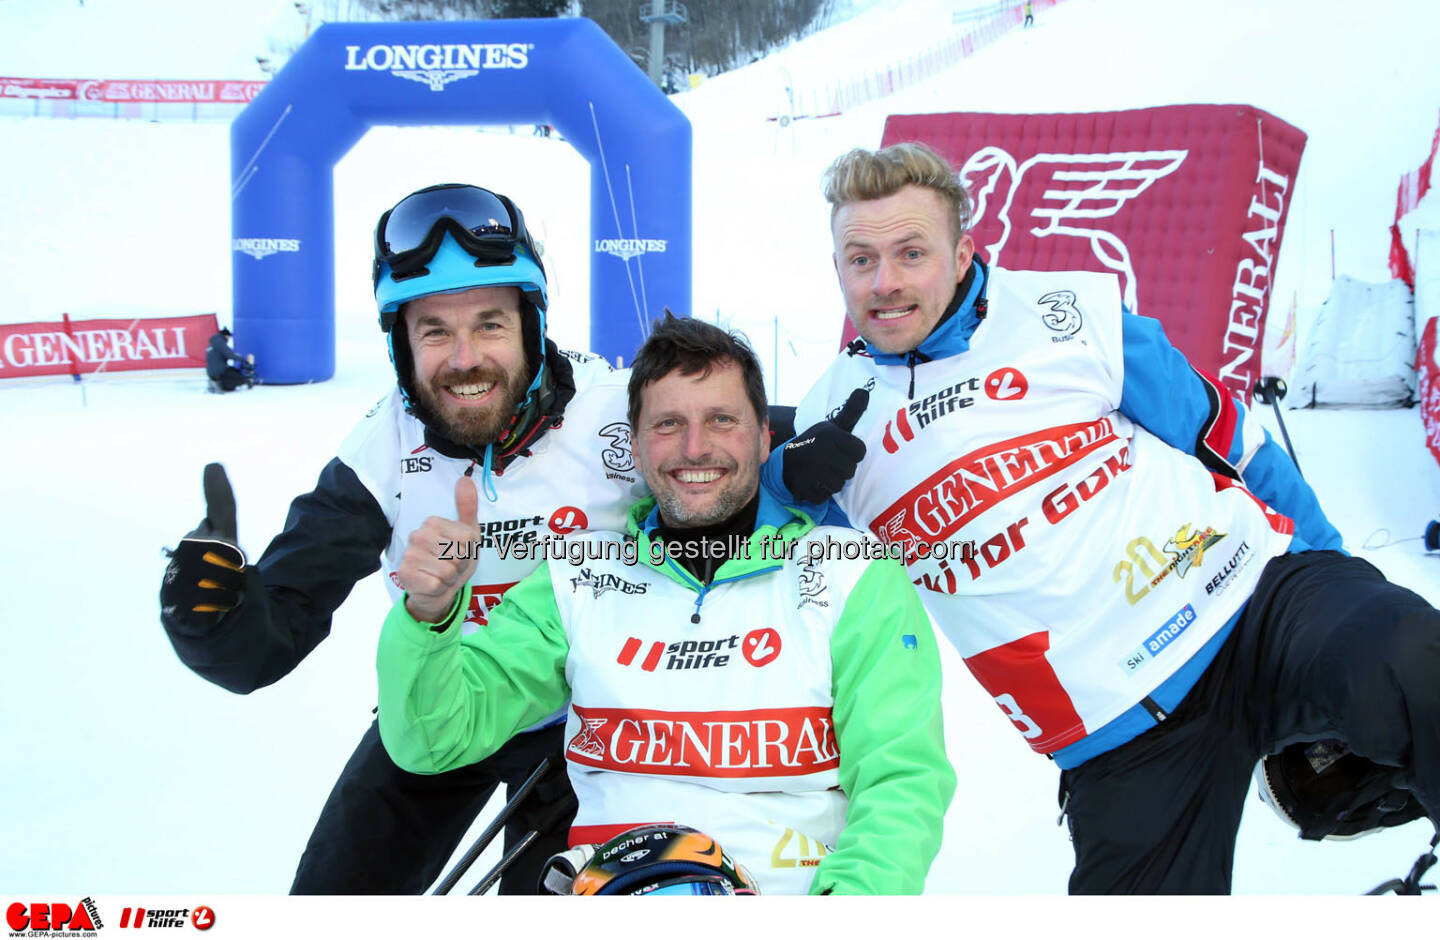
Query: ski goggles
point(699, 887)
point(487, 225)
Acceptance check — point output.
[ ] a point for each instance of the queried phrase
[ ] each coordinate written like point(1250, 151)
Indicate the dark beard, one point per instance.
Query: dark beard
point(473, 428)
point(673, 513)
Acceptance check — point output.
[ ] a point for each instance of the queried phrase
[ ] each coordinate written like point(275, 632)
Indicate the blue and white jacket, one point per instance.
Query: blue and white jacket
point(1084, 512)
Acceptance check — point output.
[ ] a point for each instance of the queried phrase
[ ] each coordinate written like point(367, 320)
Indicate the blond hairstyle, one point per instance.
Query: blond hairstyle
point(874, 174)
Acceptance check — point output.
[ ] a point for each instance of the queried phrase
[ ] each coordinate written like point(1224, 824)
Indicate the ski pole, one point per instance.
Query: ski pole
point(492, 830)
point(494, 874)
point(541, 821)
point(1270, 390)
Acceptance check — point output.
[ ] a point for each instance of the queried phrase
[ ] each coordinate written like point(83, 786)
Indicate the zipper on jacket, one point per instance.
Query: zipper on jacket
point(703, 589)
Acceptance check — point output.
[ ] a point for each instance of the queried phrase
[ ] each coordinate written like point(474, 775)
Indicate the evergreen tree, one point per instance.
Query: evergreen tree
point(531, 9)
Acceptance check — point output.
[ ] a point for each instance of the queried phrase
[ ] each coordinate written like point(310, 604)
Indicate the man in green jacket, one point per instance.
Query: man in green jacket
point(730, 666)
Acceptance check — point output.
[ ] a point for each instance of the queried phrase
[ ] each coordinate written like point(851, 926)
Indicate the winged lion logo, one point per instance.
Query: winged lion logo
point(1075, 191)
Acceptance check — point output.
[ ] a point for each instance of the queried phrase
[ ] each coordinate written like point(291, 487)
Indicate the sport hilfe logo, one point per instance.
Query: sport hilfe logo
point(684, 654)
point(632, 646)
point(1004, 384)
point(761, 647)
point(568, 519)
point(201, 917)
point(902, 424)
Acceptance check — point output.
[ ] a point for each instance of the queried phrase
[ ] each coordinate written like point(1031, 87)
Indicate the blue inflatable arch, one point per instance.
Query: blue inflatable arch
point(349, 77)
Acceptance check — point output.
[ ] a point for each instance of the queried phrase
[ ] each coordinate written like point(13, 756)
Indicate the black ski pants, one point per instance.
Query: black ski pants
point(231, 379)
point(386, 831)
point(1326, 648)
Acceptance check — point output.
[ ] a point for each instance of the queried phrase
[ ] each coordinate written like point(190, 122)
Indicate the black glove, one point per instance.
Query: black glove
point(207, 571)
point(821, 458)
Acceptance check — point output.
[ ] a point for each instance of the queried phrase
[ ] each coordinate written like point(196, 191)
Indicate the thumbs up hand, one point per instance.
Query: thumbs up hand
point(820, 459)
point(206, 575)
point(440, 557)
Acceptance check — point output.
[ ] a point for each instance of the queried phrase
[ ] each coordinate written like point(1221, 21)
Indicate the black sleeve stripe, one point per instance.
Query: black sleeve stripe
point(1213, 461)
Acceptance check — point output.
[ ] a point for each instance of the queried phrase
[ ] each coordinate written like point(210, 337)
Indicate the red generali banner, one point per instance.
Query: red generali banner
point(130, 90)
point(1185, 204)
point(1413, 187)
point(80, 347)
point(1427, 368)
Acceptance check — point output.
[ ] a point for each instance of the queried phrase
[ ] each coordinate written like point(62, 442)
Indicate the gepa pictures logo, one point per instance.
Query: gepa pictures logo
point(437, 64)
point(82, 919)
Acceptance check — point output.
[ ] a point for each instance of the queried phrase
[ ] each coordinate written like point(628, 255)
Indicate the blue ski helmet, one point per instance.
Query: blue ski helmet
point(451, 238)
point(451, 270)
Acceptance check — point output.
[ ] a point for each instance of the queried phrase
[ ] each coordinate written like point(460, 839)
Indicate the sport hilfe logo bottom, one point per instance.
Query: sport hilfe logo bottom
point(201, 917)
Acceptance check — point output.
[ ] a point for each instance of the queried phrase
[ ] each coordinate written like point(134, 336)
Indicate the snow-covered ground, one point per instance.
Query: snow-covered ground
point(123, 772)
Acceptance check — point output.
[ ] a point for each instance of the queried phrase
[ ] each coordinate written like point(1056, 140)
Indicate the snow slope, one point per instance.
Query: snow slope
point(123, 772)
point(160, 39)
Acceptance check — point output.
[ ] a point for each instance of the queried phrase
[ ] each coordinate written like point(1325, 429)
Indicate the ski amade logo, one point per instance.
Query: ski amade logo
point(53, 918)
point(1157, 642)
point(437, 65)
point(259, 248)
